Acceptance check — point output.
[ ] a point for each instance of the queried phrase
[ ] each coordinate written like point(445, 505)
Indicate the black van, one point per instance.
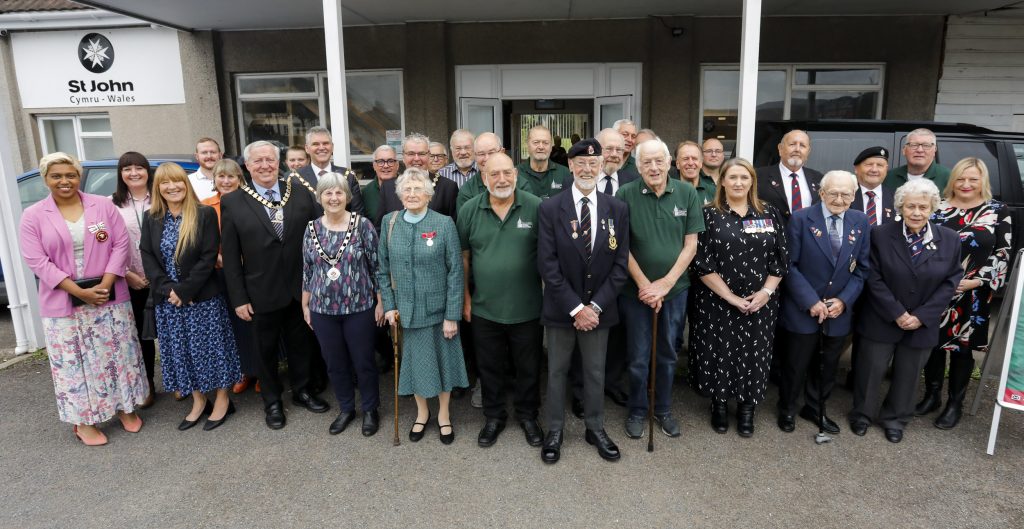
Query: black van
point(835, 143)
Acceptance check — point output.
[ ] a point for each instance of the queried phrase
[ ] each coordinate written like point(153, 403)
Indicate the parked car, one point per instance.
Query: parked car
point(835, 143)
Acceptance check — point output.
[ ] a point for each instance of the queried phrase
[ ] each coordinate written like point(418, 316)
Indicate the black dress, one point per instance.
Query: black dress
point(730, 353)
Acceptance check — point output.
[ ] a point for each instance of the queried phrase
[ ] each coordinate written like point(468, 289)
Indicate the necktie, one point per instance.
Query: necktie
point(277, 224)
point(322, 172)
point(585, 224)
point(916, 245)
point(794, 185)
point(871, 210)
point(833, 235)
point(608, 185)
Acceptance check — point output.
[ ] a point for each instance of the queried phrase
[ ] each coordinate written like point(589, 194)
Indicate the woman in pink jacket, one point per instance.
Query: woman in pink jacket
point(78, 247)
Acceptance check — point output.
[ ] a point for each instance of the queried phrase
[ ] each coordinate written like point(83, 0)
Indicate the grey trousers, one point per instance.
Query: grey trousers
point(593, 347)
point(872, 361)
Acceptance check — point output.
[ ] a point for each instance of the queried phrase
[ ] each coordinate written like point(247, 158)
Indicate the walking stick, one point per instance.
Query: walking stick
point(650, 381)
point(396, 345)
point(821, 437)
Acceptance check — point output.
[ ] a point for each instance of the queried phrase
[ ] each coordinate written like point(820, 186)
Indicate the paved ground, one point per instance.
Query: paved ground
point(244, 475)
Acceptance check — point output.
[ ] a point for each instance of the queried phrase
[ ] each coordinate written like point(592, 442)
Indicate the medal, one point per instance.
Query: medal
point(333, 274)
point(612, 242)
point(99, 230)
point(102, 236)
point(279, 207)
point(429, 237)
point(430, 242)
point(279, 215)
point(574, 224)
point(853, 265)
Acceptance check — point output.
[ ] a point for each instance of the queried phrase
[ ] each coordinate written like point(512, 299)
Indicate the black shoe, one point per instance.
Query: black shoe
point(458, 393)
point(858, 428)
point(786, 423)
point(893, 436)
point(490, 432)
point(531, 428)
point(371, 422)
point(618, 397)
point(341, 422)
point(720, 416)
point(310, 401)
point(931, 401)
point(960, 369)
point(950, 417)
point(605, 447)
point(552, 450)
point(186, 424)
point(577, 408)
point(827, 424)
point(745, 419)
point(275, 416)
point(446, 438)
point(211, 424)
point(415, 436)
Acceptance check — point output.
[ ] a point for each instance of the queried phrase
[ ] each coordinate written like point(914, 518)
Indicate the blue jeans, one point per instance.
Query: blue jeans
point(638, 320)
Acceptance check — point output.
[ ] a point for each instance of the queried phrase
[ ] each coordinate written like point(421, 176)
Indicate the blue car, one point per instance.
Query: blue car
point(99, 177)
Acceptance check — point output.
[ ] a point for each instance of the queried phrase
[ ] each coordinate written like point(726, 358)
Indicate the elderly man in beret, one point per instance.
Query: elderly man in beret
point(873, 198)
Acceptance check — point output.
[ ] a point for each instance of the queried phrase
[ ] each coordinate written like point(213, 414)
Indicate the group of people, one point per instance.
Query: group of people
point(485, 265)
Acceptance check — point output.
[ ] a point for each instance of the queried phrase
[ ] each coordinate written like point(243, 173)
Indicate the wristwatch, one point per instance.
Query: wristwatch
point(595, 307)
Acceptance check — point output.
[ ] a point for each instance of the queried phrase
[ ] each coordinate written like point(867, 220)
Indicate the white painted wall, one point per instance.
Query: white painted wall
point(983, 73)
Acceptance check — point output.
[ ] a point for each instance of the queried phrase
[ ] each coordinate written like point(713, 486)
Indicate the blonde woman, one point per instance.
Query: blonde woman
point(179, 250)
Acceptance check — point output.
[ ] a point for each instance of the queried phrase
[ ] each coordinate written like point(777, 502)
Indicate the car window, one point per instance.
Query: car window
point(1018, 153)
point(837, 150)
point(32, 190)
point(100, 181)
point(952, 151)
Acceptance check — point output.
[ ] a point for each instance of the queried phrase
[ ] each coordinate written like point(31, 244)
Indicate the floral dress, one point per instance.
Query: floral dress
point(985, 246)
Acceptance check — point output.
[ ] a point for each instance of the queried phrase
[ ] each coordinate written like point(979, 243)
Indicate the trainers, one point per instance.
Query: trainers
point(635, 426)
point(478, 396)
point(669, 424)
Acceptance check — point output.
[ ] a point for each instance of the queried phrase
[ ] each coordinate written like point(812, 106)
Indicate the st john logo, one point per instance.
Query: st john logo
point(96, 53)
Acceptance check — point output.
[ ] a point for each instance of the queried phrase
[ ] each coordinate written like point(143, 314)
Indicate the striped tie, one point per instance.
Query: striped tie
point(795, 203)
point(277, 224)
point(871, 209)
point(585, 224)
point(915, 243)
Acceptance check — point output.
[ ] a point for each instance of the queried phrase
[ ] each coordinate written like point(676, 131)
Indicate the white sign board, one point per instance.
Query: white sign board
point(98, 68)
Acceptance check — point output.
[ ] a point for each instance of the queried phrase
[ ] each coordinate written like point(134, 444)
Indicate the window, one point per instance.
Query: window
point(790, 92)
point(952, 150)
point(281, 107)
point(1018, 152)
point(86, 136)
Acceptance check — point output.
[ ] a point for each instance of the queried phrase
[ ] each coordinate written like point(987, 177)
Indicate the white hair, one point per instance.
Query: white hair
point(332, 180)
point(618, 124)
point(313, 131)
point(258, 144)
point(417, 174)
point(649, 145)
point(836, 177)
point(384, 148)
point(920, 187)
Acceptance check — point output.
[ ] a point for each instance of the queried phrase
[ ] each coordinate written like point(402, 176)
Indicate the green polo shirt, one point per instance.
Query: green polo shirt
point(503, 258)
point(658, 226)
point(371, 199)
point(936, 173)
point(544, 185)
point(705, 188)
point(630, 163)
point(473, 187)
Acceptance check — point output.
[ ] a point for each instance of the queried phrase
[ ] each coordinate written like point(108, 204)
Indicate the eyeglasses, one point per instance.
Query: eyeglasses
point(385, 163)
point(412, 190)
point(441, 156)
point(613, 149)
point(832, 195)
point(714, 152)
point(422, 154)
point(921, 146)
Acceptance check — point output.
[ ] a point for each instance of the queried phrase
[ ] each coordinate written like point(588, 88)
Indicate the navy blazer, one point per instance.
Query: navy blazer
point(569, 279)
point(815, 275)
point(889, 213)
point(770, 187)
point(895, 285)
point(355, 204)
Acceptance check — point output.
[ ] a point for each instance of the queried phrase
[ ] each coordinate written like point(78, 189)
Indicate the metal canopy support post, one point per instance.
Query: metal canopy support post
point(751, 41)
point(335, 43)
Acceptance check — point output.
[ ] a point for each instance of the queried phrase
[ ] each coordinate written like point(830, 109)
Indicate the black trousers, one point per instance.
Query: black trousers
point(499, 346)
point(801, 372)
point(872, 361)
point(615, 378)
point(139, 298)
point(272, 328)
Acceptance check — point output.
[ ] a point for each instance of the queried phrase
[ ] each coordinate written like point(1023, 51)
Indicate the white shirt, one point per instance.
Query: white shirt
point(912, 177)
point(603, 178)
point(203, 186)
point(577, 197)
point(878, 202)
point(318, 170)
point(787, 186)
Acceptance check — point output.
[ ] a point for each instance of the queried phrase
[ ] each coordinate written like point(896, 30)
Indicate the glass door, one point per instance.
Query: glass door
point(609, 109)
point(480, 115)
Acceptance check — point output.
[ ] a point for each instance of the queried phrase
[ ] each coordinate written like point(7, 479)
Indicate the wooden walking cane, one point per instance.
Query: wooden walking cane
point(396, 345)
point(650, 381)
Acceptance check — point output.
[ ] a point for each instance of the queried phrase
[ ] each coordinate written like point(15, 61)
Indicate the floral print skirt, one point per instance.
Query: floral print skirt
point(96, 363)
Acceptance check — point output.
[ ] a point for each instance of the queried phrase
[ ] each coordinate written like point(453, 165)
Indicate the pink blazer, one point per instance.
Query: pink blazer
point(47, 248)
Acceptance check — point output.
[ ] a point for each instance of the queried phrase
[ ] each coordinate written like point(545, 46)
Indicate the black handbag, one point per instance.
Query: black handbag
point(89, 283)
point(148, 321)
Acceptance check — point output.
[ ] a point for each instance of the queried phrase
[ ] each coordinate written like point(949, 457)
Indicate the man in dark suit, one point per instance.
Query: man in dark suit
point(320, 148)
point(614, 174)
point(263, 227)
point(582, 254)
point(873, 198)
point(416, 153)
point(829, 248)
point(789, 186)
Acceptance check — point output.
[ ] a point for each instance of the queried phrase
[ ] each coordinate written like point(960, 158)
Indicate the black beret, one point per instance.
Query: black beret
point(871, 152)
point(587, 147)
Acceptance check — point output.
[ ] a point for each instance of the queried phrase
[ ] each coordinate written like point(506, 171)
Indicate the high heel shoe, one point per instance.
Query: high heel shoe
point(211, 424)
point(129, 425)
point(415, 436)
point(186, 424)
point(448, 438)
point(96, 442)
